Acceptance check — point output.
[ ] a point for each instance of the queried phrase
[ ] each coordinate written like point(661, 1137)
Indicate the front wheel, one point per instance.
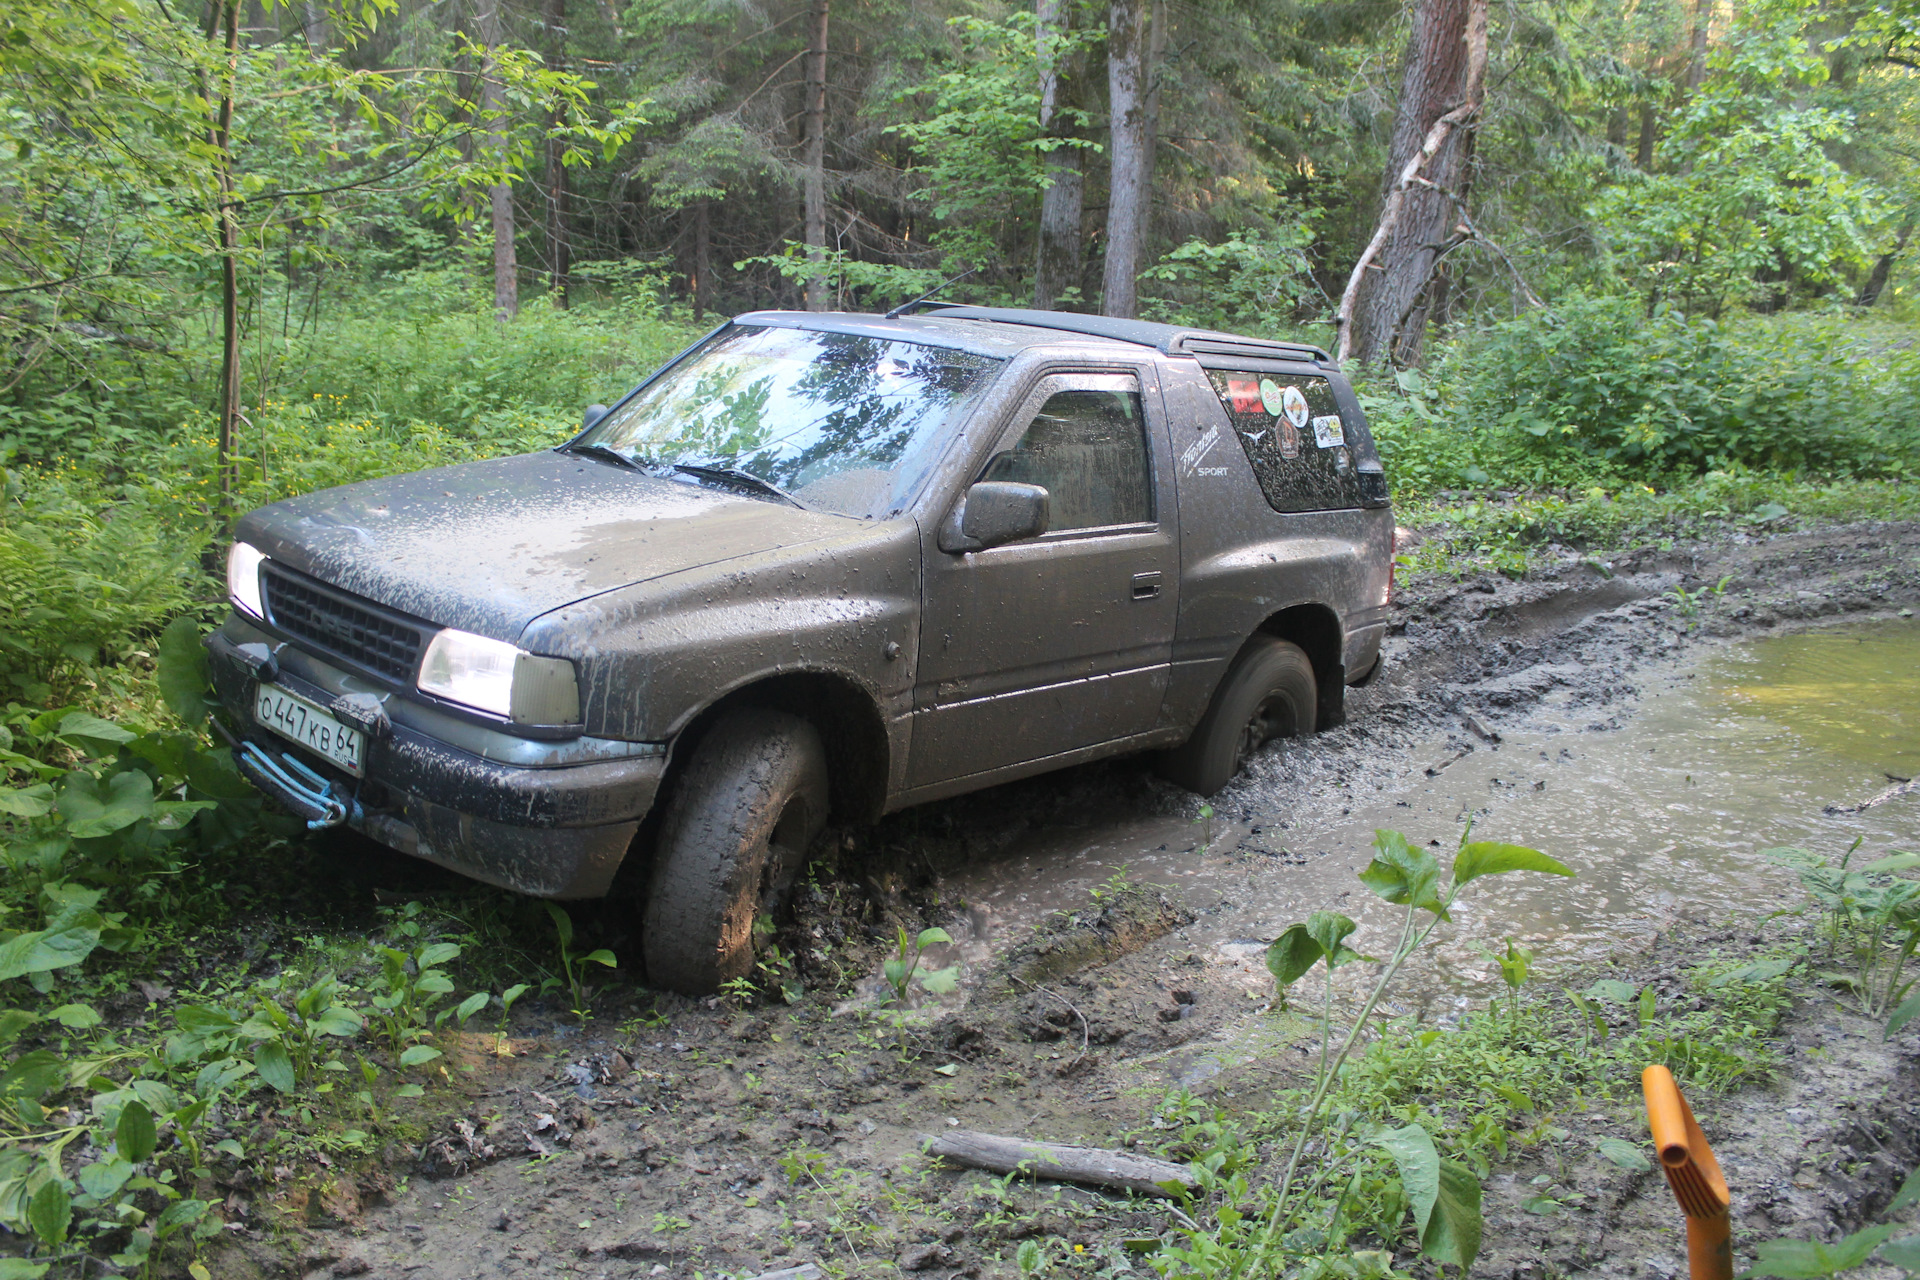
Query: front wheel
point(1268, 692)
point(736, 832)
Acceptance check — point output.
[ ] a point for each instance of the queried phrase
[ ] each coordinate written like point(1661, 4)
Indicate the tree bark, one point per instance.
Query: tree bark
point(815, 190)
point(1441, 88)
point(1058, 254)
point(1697, 53)
point(1883, 269)
point(229, 264)
point(559, 196)
point(1127, 146)
point(506, 267)
point(319, 31)
point(1649, 130)
point(702, 258)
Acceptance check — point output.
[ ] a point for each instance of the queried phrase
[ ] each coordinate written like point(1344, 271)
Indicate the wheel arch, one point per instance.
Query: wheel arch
point(1316, 629)
point(844, 714)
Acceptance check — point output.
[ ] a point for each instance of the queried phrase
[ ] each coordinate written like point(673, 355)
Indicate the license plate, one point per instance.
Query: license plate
point(298, 720)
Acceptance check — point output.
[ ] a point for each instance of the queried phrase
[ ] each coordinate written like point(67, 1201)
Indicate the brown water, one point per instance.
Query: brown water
point(1663, 811)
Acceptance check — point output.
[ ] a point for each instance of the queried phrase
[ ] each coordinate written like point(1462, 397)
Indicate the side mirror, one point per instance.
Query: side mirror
point(996, 512)
point(594, 413)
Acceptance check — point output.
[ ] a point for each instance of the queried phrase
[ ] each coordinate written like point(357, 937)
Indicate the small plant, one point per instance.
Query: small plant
point(1516, 966)
point(573, 965)
point(1114, 885)
point(1205, 819)
point(1872, 925)
point(1811, 1260)
point(901, 971)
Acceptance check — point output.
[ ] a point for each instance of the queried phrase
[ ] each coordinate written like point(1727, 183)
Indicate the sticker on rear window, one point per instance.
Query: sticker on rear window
point(1289, 439)
point(1327, 433)
point(1244, 393)
point(1293, 402)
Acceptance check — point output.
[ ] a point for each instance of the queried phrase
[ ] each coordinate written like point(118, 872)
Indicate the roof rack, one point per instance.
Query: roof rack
point(1166, 338)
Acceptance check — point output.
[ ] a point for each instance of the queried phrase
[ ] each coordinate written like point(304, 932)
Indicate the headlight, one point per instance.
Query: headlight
point(491, 675)
point(243, 578)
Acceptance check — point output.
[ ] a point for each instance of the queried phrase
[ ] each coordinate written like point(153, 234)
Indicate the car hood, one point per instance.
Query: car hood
point(490, 546)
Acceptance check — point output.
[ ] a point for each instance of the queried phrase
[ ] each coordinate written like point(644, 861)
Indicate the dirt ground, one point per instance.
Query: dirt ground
point(671, 1137)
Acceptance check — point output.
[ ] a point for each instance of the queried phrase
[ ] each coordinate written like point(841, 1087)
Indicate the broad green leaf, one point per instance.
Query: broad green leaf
point(91, 733)
point(182, 674)
point(49, 1212)
point(1811, 1260)
point(602, 956)
point(1909, 1193)
point(77, 1016)
point(13, 1022)
point(513, 993)
point(27, 802)
point(409, 1091)
point(95, 810)
point(270, 1059)
point(433, 983)
point(338, 1020)
point(1909, 1010)
point(1402, 874)
point(562, 924)
point(1290, 955)
point(1611, 990)
point(930, 936)
point(65, 942)
point(1903, 1253)
point(1453, 1233)
point(418, 1055)
point(21, 1269)
point(438, 954)
point(1330, 930)
point(1412, 1150)
point(1489, 858)
point(1649, 1005)
point(103, 1178)
point(1892, 862)
point(133, 1133)
point(180, 1214)
point(470, 1006)
point(1758, 971)
point(216, 1076)
point(1625, 1154)
point(940, 981)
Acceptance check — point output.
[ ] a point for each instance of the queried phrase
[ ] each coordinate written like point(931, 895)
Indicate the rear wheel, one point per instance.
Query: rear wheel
point(735, 835)
point(1268, 692)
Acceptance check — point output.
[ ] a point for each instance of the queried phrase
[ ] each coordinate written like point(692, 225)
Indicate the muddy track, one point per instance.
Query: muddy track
point(653, 1142)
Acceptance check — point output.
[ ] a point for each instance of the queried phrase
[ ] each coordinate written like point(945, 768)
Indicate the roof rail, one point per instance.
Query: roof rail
point(1166, 338)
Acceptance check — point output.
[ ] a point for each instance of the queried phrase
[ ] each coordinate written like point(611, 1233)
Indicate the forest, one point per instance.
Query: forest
point(1611, 278)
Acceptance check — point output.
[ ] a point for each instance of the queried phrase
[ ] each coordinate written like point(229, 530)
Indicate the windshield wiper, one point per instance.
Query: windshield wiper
point(745, 479)
point(605, 452)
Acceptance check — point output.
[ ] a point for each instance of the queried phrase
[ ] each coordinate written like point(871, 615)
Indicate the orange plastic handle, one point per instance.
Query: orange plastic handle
point(1693, 1175)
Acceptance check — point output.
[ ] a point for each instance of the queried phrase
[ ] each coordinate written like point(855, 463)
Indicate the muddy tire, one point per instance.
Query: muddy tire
point(735, 834)
point(1268, 692)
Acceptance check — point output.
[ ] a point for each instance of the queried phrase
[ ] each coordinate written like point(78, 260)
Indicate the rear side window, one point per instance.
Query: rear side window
point(1089, 450)
point(1294, 437)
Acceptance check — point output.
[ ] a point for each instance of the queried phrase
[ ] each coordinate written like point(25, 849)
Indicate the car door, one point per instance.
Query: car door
point(1041, 647)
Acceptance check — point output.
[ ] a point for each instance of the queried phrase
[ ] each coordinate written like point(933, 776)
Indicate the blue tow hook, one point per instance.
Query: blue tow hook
point(301, 789)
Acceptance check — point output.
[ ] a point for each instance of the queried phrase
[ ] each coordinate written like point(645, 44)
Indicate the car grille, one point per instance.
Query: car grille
point(344, 626)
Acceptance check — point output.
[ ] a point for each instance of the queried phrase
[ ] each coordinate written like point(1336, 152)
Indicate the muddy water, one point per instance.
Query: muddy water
point(1662, 807)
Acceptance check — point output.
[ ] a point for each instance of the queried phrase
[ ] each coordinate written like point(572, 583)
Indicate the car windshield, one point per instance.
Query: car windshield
point(839, 422)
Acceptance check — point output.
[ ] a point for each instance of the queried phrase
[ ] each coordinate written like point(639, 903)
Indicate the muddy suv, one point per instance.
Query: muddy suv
point(818, 564)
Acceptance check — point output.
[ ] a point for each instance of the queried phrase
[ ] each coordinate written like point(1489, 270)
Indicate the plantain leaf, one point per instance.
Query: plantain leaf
point(418, 1055)
point(49, 1212)
point(1453, 1233)
point(275, 1067)
point(182, 674)
point(1907, 1012)
point(134, 1134)
point(1489, 858)
point(1625, 1154)
point(1811, 1260)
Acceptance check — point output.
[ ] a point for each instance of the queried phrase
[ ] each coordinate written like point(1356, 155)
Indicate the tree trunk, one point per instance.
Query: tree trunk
point(1156, 54)
point(319, 31)
point(1649, 128)
point(559, 197)
point(702, 258)
point(229, 264)
point(815, 193)
point(1697, 59)
point(1127, 145)
point(1883, 269)
point(1441, 87)
point(1057, 255)
point(506, 267)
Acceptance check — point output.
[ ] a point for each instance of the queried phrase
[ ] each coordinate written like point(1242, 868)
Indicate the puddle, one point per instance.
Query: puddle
point(1738, 750)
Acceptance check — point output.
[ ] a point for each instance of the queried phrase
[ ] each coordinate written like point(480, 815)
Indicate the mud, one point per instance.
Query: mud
point(1109, 935)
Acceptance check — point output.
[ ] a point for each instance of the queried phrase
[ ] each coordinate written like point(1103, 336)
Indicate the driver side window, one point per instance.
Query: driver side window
point(1088, 449)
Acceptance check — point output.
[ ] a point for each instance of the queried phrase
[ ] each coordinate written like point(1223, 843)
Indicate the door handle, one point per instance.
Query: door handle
point(1146, 585)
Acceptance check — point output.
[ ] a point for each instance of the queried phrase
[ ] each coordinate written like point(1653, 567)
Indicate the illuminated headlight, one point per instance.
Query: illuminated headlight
point(491, 675)
point(243, 579)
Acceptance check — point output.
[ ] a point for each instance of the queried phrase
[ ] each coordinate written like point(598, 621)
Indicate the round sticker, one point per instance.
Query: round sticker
point(1294, 403)
point(1272, 399)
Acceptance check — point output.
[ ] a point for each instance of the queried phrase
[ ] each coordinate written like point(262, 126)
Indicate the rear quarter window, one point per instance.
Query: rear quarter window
point(1294, 437)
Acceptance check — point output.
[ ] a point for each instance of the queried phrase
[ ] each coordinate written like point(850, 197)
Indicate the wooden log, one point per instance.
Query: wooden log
point(1058, 1162)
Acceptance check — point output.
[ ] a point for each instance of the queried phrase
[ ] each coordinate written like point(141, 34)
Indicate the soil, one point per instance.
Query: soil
point(673, 1137)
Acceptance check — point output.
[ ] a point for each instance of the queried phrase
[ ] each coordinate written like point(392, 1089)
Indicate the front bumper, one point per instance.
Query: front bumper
point(550, 819)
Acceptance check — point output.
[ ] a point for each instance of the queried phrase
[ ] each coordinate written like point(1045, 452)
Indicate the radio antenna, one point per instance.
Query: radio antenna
point(930, 295)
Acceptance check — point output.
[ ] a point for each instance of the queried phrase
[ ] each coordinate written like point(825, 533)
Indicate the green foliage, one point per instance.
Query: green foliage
point(902, 969)
point(573, 964)
point(1871, 924)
